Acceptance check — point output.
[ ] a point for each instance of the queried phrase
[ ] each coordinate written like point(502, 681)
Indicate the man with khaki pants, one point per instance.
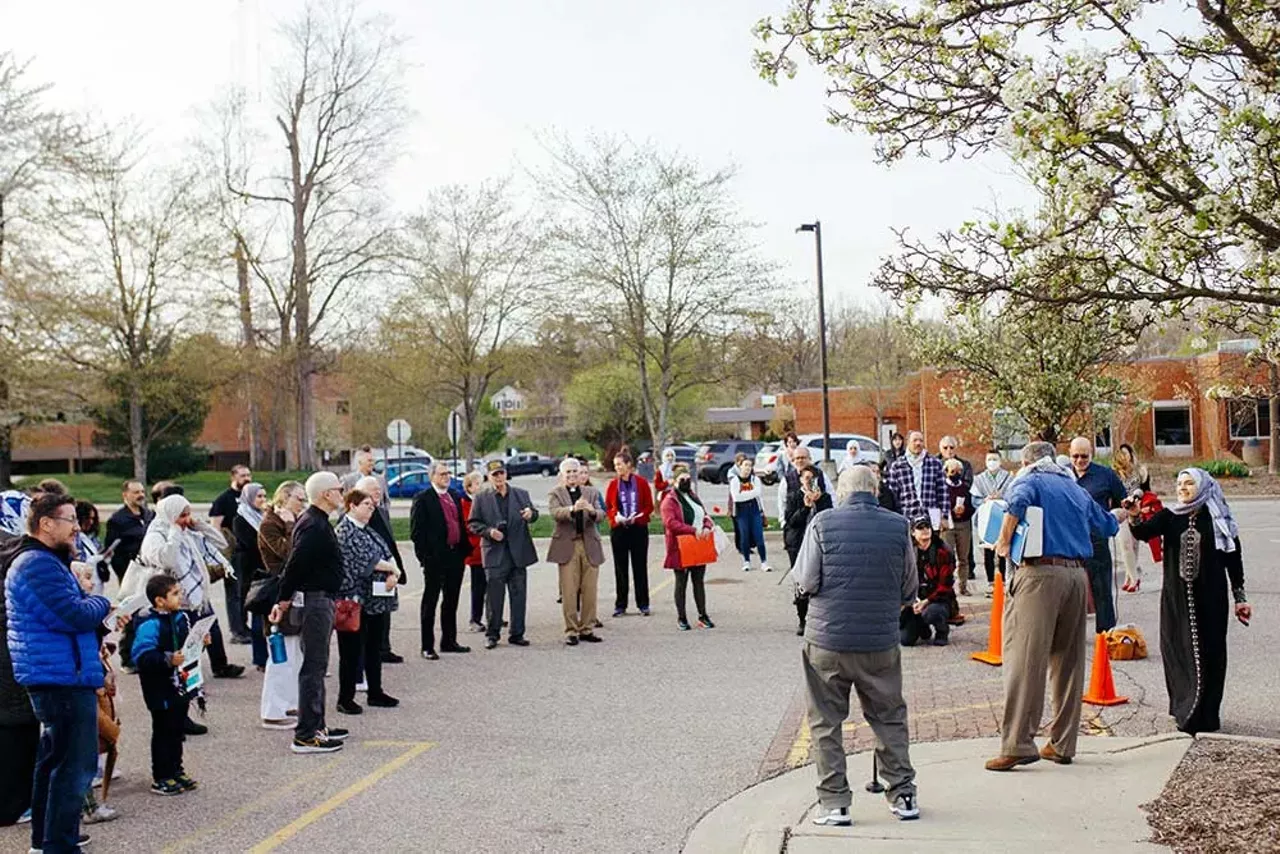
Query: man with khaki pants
point(576, 548)
point(857, 565)
point(1044, 610)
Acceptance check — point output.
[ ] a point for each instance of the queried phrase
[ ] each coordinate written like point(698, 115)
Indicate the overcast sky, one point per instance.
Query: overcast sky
point(487, 78)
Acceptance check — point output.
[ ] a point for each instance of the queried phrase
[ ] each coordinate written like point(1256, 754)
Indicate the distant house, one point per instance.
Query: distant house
point(522, 412)
point(749, 421)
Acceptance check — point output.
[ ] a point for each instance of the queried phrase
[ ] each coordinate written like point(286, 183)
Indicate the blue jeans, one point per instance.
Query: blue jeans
point(65, 765)
point(751, 531)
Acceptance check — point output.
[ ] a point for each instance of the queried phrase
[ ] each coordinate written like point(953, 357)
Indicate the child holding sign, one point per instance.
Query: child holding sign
point(164, 671)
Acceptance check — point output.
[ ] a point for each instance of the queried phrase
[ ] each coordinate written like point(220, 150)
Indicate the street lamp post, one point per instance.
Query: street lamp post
point(816, 228)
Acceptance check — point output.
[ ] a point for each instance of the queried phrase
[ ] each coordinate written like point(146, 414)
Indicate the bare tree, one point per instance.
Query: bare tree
point(476, 280)
point(337, 108)
point(39, 146)
point(656, 244)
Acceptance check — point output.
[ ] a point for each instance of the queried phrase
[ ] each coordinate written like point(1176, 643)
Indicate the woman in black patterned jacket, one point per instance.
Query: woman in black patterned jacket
point(369, 578)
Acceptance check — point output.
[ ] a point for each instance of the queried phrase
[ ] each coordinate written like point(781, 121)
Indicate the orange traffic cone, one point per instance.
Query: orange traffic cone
point(995, 636)
point(1102, 689)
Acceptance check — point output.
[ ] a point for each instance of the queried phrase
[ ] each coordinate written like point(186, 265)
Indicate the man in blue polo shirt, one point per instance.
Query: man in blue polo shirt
point(1044, 611)
point(1106, 488)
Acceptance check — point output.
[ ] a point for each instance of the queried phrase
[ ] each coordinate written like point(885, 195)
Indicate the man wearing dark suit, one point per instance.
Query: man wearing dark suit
point(439, 537)
point(500, 517)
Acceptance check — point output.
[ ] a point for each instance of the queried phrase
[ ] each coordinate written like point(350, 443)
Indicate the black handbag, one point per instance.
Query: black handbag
point(263, 596)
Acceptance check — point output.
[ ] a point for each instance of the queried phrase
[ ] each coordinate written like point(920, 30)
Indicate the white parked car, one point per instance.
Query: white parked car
point(868, 448)
point(767, 462)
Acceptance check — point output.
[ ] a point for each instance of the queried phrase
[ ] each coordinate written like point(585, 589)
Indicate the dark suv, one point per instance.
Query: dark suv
point(715, 459)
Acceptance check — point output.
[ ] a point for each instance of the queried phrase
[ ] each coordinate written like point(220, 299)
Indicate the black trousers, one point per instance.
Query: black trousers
point(166, 739)
point(989, 561)
point(698, 575)
point(217, 649)
point(801, 602)
point(630, 544)
point(477, 594)
point(357, 647)
point(441, 578)
point(18, 746)
point(235, 604)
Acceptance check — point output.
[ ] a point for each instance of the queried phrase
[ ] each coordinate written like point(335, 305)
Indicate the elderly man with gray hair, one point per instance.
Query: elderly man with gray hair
point(858, 567)
point(577, 550)
point(1044, 609)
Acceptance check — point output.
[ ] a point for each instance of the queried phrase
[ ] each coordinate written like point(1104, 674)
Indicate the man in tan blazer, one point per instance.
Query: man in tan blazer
point(577, 550)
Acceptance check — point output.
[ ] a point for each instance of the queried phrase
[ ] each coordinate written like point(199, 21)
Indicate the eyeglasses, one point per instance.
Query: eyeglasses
point(1081, 456)
point(72, 519)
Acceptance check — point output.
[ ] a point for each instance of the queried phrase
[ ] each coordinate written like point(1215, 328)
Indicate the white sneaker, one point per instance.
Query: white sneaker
point(838, 817)
point(283, 723)
point(363, 686)
point(904, 807)
point(767, 568)
point(746, 567)
point(101, 814)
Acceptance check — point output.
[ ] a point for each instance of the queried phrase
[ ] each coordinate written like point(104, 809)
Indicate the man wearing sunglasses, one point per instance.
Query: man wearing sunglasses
point(1106, 488)
point(54, 648)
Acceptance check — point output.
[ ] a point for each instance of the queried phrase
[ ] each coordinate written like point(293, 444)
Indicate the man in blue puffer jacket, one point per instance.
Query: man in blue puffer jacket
point(55, 657)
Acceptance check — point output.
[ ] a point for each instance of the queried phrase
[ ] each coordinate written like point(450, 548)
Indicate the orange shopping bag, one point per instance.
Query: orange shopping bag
point(695, 551)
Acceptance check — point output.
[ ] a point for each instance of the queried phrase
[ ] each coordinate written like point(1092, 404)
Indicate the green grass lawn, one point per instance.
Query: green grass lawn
point(200, 487)
point(542, 527)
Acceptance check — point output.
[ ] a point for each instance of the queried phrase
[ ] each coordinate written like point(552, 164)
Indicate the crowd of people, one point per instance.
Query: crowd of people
point(878, 563)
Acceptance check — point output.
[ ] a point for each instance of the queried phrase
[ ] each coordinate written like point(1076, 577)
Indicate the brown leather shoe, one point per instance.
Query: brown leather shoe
point(1047, 752)
point(1008, 763)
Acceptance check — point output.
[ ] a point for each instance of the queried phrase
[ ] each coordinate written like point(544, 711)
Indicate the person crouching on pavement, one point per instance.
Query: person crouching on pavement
point(1044, 610)
point(577, 550)
point(858, 566)
point(927, 616)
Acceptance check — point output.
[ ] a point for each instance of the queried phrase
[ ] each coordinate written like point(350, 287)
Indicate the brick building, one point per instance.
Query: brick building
point(1174, 410)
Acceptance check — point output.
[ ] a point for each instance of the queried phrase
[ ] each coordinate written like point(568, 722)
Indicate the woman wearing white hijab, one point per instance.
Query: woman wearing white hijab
point(184, 546)
point(248, 560)
point(1201, 564)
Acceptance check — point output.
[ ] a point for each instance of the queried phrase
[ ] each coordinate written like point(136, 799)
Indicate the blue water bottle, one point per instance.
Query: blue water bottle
point(279, 655)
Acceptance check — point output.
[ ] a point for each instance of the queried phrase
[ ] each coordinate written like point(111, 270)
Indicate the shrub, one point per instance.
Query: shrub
point(165, 462)
point(1224, 468)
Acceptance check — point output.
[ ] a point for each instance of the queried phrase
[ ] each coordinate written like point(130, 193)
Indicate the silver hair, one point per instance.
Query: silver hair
point(1037, 451)
point(368, 484)
point(856, 479)
point(439, 466)
point(949, 440)
point(914, 433)
point(569, 464)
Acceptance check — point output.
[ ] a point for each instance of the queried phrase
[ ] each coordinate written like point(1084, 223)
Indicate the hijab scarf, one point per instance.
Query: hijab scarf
point(246, 508)
point(1209, 495)
point(189, 565)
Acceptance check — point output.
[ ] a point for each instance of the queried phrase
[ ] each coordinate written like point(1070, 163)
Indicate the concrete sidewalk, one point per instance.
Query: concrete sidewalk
point(1092, 804)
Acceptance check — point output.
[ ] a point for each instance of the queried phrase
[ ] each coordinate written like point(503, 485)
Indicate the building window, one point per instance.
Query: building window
point(343, 407)
point(1008, 430)
point(1102, 428)
point(1250, 418)
point(1172, 422)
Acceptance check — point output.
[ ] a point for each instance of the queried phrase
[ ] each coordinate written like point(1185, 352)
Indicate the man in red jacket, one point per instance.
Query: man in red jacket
point(629, 504)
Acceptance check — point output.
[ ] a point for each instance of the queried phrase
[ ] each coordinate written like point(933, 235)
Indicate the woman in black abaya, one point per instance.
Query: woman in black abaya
point(1202, 567)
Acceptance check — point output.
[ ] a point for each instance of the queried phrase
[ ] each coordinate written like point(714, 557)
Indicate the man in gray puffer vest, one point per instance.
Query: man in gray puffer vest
point(858, 566)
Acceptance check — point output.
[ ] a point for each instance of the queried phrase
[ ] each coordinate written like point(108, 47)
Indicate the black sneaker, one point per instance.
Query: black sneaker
point(800, 629)
point(166, 788)
point(618, 612)
point(590, 638)
point(335, 733)
point(683, 625)
point(392, 658)
point(571, 640)
point(193, 728)
point(904, 807)
point(517, 641)
point(705, 622)
point(646, 612)
point(315, 744)
point(230, 671)
point(241, 640)
point(186, 782)
point(350, 707)
point(490, 643)
point(382, 701)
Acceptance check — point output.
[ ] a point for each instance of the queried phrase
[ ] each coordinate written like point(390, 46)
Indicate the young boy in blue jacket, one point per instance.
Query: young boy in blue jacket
point(157, 653)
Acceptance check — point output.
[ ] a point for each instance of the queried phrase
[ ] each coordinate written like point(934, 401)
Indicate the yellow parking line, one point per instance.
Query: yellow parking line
point(257, 804)
point(313, 815)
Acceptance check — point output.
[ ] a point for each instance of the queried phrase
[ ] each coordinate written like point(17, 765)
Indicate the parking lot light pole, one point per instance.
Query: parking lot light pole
point(816, 228)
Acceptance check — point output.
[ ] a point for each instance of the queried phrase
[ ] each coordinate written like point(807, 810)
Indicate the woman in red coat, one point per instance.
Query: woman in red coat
point(470, 484)
point(683, 514)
